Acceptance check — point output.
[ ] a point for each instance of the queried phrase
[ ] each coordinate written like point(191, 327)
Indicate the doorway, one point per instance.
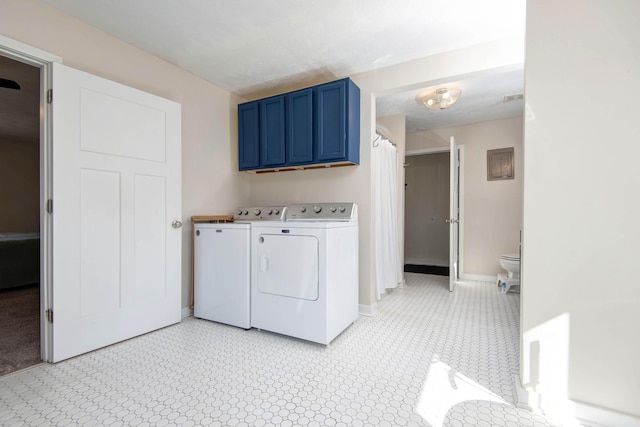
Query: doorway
point(144, 127)
point(426, 244)
point(20, 343)
point(428, 212)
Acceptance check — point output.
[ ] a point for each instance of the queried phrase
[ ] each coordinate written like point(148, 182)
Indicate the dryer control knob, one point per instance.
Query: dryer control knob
point(303, 209)
point(245, 213)
point(333, 209)
point(342, 209)
point(317, 209)
point(270, 212)
point(256, 212)
point(239, 212)
point(277, 212)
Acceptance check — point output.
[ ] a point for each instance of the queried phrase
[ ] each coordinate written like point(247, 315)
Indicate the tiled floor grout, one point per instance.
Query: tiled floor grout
point(427, 357)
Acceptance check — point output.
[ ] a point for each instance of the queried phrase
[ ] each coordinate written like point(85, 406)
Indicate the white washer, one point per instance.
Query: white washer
point(304, 272)
point(221, 273)
point(222, 266)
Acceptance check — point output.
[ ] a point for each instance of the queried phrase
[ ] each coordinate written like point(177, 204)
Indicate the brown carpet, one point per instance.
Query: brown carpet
point(19, 328)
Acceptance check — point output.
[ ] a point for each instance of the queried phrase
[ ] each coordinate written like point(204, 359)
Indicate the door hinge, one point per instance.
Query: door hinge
point(49, 206)
point(49, 96)
point(49, 314)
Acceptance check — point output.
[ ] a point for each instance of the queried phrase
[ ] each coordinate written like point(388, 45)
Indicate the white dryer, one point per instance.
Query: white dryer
point(304, 272)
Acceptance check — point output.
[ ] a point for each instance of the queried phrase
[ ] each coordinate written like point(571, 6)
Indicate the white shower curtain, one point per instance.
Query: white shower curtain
point(388, 268)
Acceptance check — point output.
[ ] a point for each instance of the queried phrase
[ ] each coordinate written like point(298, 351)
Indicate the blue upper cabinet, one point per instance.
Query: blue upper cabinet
point(249, 135)
point(272, 132)
point(316, 126)
point(300, 135)
point(338, 122)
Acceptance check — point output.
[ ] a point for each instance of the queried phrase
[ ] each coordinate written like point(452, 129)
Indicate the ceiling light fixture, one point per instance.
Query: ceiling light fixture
point(441, 98)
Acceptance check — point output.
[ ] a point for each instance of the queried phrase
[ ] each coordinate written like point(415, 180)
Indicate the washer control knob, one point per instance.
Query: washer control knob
point(303, 209)
point(270, 212)
point(256, 212)
point(342, 209)
point(317, 209)
point(239, 212)
point(277, 212)
point(333, 209)
point(245, 213)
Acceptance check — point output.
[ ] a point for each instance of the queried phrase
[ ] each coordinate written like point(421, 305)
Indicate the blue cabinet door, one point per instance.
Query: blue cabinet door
point(248, 135)
point(331, 121)
point(300, 127)
point(272, 131)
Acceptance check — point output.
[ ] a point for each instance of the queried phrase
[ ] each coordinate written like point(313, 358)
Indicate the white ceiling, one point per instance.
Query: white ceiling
point(482, 99)
point(258, 47)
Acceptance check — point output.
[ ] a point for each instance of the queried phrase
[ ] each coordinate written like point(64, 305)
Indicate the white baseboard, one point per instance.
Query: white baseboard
point(425, 261)
point(526, 399)
point(187, 312)
point(479, 278)
point(581, 414)
point(594, 416)
point(368, 310)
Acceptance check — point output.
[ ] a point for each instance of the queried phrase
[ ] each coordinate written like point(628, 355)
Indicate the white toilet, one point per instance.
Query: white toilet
point(511, 263)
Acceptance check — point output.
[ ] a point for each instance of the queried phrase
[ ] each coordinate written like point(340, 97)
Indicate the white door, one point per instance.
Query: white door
point(454, 176)
point(116, 190)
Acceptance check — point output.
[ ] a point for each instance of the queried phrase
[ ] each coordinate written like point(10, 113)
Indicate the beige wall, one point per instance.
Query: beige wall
point(20, 189)
point(426, 208)
point(580, 298)
point(492, 209)
point(210, 181)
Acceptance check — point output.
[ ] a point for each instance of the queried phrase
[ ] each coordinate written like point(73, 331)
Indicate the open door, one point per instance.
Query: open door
point(115, 193)
point(454, 217)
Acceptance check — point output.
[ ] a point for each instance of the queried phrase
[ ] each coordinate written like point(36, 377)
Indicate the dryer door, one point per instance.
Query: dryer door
point(288, 266)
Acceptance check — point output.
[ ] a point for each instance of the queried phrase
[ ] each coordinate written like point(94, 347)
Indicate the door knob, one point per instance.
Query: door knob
point(176, 224)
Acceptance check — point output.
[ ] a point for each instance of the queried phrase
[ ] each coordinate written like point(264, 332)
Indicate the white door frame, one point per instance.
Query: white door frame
point(43, 60)
point(445, 149)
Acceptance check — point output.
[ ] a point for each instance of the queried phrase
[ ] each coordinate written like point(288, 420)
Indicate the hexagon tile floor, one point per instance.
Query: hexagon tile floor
point(427, 358)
